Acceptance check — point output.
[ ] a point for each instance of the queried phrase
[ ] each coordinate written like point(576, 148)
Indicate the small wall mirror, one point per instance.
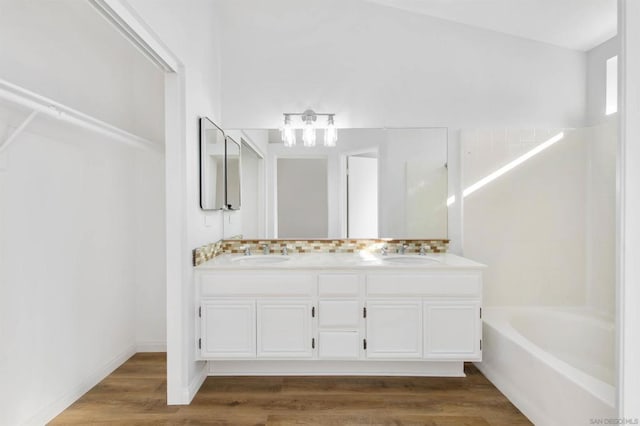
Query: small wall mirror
point(232, 174)
point(212, 165)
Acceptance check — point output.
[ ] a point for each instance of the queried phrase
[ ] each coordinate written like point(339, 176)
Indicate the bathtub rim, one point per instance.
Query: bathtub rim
point(498, 318)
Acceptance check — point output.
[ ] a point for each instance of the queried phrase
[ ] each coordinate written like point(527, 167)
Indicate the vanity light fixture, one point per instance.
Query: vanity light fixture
point(288, 132)
point(330, 133)
point(309, 127)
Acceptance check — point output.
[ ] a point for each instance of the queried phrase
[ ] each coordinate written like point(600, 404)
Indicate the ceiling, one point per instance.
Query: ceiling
point(574, 24)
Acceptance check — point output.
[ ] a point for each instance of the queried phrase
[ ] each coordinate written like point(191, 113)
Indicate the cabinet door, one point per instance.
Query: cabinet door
point(452, 331)
point(394, 329)
point(284, 329)
point(228, 329)
point(339, 345)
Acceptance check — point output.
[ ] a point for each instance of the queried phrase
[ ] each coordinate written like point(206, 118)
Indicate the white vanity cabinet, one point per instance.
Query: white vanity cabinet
point(452, 330)
point(289, 321)
point(432, 315)
point(394, 329)
point(256, 315)
point(284, 329)
point(228, 329)
point(340, 318)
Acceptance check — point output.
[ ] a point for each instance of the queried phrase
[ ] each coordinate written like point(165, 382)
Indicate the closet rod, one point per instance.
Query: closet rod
point(31, 100)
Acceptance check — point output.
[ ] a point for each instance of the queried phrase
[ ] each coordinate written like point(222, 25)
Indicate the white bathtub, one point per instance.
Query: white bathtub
point(556, 365)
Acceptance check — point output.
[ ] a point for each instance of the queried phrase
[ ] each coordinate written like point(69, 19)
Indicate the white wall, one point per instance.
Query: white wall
point(252, 184)
point(70, 219)
point(376, 66)
point(596, 79)
point(600, 212)
point(302, 198)
point(151, 296)
point(190, 31)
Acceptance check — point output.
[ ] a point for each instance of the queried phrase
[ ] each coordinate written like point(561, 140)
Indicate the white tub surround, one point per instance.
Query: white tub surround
point(555, 364)
point(339, 314)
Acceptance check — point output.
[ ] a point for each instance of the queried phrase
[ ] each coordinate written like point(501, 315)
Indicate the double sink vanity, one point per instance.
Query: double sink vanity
point(362, 312)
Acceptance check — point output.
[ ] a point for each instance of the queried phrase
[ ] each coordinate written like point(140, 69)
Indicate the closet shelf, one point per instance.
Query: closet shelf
point(42, 105)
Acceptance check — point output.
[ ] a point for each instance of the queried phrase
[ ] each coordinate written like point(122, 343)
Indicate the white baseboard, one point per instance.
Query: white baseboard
point(49, 412)
point(151, 346)
point(195, 384)
point(336, 368)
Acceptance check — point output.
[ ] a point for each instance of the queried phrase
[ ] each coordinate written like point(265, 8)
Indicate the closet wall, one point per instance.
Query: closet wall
point(81, 215)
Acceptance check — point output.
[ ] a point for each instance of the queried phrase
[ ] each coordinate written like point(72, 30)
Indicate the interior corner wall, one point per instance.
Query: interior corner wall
point(597, 79)
point(198, 50)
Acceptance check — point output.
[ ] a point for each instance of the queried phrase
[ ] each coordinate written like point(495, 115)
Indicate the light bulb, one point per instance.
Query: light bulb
point(309, 133)
point(330, 133)
point(288, 132)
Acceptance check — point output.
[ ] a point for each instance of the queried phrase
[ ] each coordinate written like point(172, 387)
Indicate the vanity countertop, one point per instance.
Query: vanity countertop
point(362, 260)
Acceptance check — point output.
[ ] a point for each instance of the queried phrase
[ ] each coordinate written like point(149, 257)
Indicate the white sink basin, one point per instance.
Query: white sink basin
point(264, 259)
point(410, 260)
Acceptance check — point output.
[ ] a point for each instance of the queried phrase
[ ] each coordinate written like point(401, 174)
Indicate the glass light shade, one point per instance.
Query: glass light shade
point(309, 134)
point(330, 134)
point(288, 133)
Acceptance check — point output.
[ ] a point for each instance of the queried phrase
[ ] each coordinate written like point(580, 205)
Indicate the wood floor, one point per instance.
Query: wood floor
point(135, 394)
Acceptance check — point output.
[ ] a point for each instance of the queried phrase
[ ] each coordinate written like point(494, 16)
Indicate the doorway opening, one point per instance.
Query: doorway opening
point(362, 195)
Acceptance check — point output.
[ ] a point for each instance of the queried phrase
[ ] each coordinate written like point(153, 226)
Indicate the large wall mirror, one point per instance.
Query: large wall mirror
point(377, 183)
point(212, 141)
point(220, 164)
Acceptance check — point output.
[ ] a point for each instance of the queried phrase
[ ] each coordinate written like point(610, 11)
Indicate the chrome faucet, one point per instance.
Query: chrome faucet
point(384, 250)
point(285, 250)
point(423, 251)
point(401, 248)
point(247, 250)
point(266, 249)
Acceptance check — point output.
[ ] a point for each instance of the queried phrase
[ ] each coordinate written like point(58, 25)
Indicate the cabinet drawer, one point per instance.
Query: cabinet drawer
point(258, 285)
point(338, 314)
point(447, 284)
point(339, 345)
point(338, 285)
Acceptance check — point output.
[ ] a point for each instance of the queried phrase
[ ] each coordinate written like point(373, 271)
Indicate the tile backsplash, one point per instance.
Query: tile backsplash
point(233, 246)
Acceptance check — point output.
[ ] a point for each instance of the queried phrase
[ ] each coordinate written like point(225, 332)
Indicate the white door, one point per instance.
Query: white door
point(362, 197)
point(394, 329)
point(284, 329)
point(452, 331)
point(228, 329)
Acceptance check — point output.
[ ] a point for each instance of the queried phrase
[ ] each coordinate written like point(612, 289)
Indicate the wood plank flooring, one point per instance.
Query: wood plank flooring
point(135, 394)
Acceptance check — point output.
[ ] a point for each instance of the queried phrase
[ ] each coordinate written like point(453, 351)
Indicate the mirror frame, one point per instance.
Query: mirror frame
point(227, 141)
point(206, 121)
